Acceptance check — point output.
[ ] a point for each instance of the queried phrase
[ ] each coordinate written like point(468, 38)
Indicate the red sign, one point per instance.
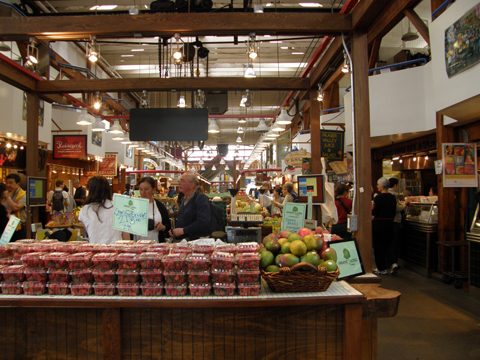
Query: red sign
point(69, 146)
point(108, 167)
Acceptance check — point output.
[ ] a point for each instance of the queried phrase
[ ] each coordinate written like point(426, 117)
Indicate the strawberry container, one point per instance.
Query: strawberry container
point(34, 287)
point(68, 247)
point(6, 251)
point(81, 289)
point(60, 275)
point(58, 288)
point(14, 273)
point(35, 274)
point(228, 248)
point(22, 249)
point(81, 260)
point(203, 249)
point(26, 241)
point(174, 261)
point(12, 288)
point(223, 260)
point(248, 275)
point(248, 260)
point(104, 260)
point(162, 248)
point(200, 289)
point(124, 242)
point(198, 262)
point(251, 289)
point(128, 261)
point(175, 276)
point(81, 275)
point(145, 242)
point(152, 275)
point(135, 249)
point(87, 247)
point(248, 247)
point(1, 270)
point(106, 248)
point(151, 289)
point(223, 289)
point(150, 260)
point(176, 289)
point(104, 275)
point(56, 260)
point(105, 289)
point(199, 276)
point(128, 276)
point(128, 289)
point(9, 261)
point(47, 245)
point(34, 259)
point(223, 275)
point(180, 249)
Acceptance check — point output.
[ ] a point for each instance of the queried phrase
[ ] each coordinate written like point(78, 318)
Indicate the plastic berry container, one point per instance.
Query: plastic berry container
point(128, 289)
point(87, 247)
point(105, 289)
point(47, 245)
point(106, 248)
point(14, 273)
point(81, 275)
point(12, 287)
point(152, 289)
point(135, 249)
point(228, 248)
point(248, 260)
point(198, 262)
point(1, 270)
point(248, 289)
point(34, 259)
point(162, 248)
point(81, 260)
point(68, 247)
point(8, 262)
point(56, 260)
point(248, 247)
point(58, 288)
point(248, 275)
point(200, 289)
point(152, 275)
point(223, 275)
point(104, 260)
point(175, 276)
point(180, 249)
point(145, 242)
point(35, 274)
point(34, 287)
point(128, 276)
point(129, 261)
point(104, 275)
point(150, 260)
point(198, 276)
point(176, 289)
point(81, 289)
point(124, 242)
point(203, 249)
point(174, 261)
point(223, 260)
point(22, 249)
point(223, 289)
point(6, 251)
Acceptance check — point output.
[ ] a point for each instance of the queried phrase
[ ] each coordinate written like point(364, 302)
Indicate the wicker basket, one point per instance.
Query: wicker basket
point(295, 279)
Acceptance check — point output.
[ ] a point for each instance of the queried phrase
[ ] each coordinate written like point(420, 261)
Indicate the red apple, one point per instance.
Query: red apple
point(276, 236)
point(318, 230)
point(285, 233)
point(304, 232)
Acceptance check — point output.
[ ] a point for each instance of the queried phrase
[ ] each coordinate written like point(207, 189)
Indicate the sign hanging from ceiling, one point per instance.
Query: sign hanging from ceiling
point(108, 167)
point(69, 146)
point(332, 144)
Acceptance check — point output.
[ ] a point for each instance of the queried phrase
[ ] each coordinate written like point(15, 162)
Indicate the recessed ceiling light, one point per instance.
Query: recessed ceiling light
point(310, 4)
point(137, 50)
point(126, 55)
point(103, 7)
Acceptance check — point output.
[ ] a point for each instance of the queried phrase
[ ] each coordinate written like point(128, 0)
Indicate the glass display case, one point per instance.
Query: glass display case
point(426, 213)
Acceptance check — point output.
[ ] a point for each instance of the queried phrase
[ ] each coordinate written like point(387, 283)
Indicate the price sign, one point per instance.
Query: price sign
point(130, 214)
point(293, 218)
point(9, 230)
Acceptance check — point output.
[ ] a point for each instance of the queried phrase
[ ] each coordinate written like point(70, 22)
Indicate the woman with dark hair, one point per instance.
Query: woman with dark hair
point(97, 214)
point(344, 207)
point(277, 195)
point(287, 189)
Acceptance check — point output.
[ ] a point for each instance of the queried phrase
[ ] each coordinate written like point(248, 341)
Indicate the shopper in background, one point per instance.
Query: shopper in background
point(397, 226)
point(15, 204)
point(80, 193)
point(3, 210)
point(287, 188)
point(97, 214)
point(71, 201)
point(128, 191)
point(57, 198)
point(384, 208)
point(277, 195)
point(344, 207)
point(171, 192)
point(158, 220)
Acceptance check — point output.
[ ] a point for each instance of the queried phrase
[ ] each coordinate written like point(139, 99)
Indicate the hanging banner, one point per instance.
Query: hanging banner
point(332, 144)
point(293, 218)
point(69, 146)
point(108, 167)
point(130, 214)
point(460, 165)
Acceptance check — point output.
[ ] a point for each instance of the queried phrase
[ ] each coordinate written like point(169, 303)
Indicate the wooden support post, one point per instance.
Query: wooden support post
point(112, 334)
point(123, 180)
point(352, 332)
point(315, 141)
point(33, 103)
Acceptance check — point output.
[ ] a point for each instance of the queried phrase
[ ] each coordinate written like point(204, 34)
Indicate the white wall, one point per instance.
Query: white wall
point(119, 148)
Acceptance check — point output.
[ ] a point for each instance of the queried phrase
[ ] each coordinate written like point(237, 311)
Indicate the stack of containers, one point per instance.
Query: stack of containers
point(79, 270)
point(198, 266)
point(13, 278)
point(128, 273)
point(104, 274)
point(223, 271)
point(248, 272)
point(58, 272)
point(151, 272)
point(174, 272)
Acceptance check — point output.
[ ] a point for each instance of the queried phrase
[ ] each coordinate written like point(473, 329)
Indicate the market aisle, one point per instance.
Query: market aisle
point(434, 321)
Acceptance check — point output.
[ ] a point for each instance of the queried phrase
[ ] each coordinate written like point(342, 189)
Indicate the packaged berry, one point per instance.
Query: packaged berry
point(152, 275)
point(34, 287)
point(248, 260)
point(198, 261)
point(6, 251)
point(203, 249)
point(223, 260)
point(145, 242)
point(59, 275)
point(81, 260)
point(34, 259)
point(1, 269)
point(175, 276)
point(223, 275)
point(81, 275)
point(58, 288)
point(151, 289)
point(105, 289)
point(128, 276)
point(81, 289)
point(128, 261)
point(35, 274)
point(106, 248)
point(180, 249)
point(22, 249)
point(162, 248)
point(104, 275)
point(104, 260)
point(150, 260)
point(176, 289)
point(14, 273)
point(248, 275)
point(8, 261)
point(134, 249)
point(68, 247)
point(248, 247)
point(87, 247)
point(200, 289)
point(56, 260)
point(228, 248)
point(224, 289)
point(252, 289)
point(174, 261)
point(128, 289)
point(124, 242)
point(47, 245)
point(199, 276)
point(12, 287)
point(26, 241)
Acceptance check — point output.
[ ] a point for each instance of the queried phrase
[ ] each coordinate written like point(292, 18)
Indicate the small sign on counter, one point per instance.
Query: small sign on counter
point(293, 218)
point(130, 214)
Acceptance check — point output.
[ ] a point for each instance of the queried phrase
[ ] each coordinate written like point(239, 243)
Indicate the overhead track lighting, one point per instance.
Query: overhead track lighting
point(84, 118)
point(213, 127)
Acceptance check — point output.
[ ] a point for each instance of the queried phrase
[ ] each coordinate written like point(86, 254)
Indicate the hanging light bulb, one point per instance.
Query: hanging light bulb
point(414, 158)
point(144, 100)
point(63, 170)
point(177, 55)
point(92, 53)
point(134, 144)
point(200, 101)
point(97, 104)
point(400, 161)
point(84, 118)
point(243, 101)
point(242, 121)
point(201, 162)
point(98, 125)
point(278, 127)
point(32, 53)
point(227, 168)
point(222, 161)
point(240, 130)
point(249, 72)
point(118, 137)
point(202, 168)
point(214, 168)
point(116, 128)
point(251, 47)
point(239, 139)
point(283, 118)
point(262, 126)
point(213, 127)
point(126, 138)
point(346, 64)
point(54, 170)
point(181, 102)
point(320, 93)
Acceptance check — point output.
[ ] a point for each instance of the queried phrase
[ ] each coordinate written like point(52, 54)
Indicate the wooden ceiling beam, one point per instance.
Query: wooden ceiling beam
point(161, 24)
point(421, 27)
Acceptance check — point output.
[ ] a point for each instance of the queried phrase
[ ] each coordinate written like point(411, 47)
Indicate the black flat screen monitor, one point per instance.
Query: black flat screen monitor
point(36, 191)
point(314, 184)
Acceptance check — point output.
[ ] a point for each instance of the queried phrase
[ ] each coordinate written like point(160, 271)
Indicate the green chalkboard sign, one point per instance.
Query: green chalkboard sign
point(332, 144)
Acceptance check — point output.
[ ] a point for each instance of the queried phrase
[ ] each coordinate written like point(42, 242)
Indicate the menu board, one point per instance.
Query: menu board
point(293, 218)
point(130, 214)
point(460, 165)
point(332, 144)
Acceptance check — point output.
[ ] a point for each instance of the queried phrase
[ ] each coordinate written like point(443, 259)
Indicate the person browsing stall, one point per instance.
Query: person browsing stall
point(287, 188)
point(193, 218)
point(58, 198)
point(171, 192)
point(344, 207)
point(15, 204)
point(80, 193)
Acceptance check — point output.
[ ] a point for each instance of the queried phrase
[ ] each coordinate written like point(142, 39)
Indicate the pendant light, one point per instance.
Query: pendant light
point(262, 126)
point(126, 138)
point(278, 127)
point(97, 104)
point(249, 72)
point(181, 102)
point(98, 126)
point(242, 121)
point(320, 93)
point(222, 161)
point(283, 118)
point(202, 168)
point(213, 127)
point(116, 128)
point(118, 137)
point(409, 35)
point(84, 118)
point(240, 130)
point(214, 168)
point(201, 162)
point(227, 168)
point(239, 139)
point(134, 144)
